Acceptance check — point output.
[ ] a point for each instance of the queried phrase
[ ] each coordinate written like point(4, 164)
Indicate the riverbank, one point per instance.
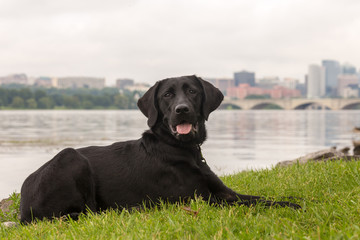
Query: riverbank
point(328, 192)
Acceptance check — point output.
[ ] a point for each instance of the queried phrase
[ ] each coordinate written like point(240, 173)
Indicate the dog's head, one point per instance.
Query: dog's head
point(180, 106)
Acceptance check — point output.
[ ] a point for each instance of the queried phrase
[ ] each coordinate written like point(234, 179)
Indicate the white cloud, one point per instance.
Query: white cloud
point(150, 40)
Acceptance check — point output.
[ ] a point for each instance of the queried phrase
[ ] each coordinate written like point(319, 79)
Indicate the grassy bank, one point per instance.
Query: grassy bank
point(330, 195)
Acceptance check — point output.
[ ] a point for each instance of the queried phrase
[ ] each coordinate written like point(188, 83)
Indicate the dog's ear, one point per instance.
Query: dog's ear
point(212, 97)
point(148, 105)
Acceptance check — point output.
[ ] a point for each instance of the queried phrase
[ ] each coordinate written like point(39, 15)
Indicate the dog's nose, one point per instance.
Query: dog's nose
point(181, 108)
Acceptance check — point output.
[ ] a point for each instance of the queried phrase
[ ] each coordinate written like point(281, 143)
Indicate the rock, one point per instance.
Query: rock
point(285, 163)
point(357, 150)
point(5, 205)
point(345, 150)
point(352, 158)
point(323, 155)
point(9, 224)
point(356, 137)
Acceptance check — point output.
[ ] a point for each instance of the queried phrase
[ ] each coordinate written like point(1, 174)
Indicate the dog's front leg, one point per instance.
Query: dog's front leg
point(221, 193)
point(251, 200)
point(231, 197)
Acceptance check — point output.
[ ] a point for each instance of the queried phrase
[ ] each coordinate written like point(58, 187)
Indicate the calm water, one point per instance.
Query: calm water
point(237, 140)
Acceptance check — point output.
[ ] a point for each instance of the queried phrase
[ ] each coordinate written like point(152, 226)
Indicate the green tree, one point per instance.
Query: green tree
point(71, 102)
point(121, 102)
point(3, 97)
point(29, 97)
point(31, 103)
point(39, 94)
point(25, 93)
point(58, 99)
point(87, 104)
point(17, 102)
point(45, 103)
point(255, 96)
point(104, 100)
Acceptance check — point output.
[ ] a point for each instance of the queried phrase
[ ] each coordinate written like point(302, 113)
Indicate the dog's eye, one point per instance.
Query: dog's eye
point(192, 91)
point(168, 94)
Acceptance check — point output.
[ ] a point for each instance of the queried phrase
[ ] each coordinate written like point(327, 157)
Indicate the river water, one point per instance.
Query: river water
point(237, 140)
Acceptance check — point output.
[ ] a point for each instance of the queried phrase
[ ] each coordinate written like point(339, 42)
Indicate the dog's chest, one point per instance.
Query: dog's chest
point(179, 176)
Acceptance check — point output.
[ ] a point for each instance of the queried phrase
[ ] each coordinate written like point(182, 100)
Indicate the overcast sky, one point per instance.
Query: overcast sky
point(148, 40)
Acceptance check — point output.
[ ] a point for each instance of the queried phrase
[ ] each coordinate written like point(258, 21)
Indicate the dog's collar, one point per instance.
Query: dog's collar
point(201, 155)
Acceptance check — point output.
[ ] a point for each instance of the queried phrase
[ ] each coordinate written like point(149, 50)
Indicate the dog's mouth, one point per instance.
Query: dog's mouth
point(184, 128)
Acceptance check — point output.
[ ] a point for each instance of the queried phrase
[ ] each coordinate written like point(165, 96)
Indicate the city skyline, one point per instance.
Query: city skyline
point(342, 67)
point(152, 40)
point(330, 79)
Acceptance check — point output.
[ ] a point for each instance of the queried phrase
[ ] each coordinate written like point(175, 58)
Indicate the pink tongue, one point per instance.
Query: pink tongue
point(184, 128)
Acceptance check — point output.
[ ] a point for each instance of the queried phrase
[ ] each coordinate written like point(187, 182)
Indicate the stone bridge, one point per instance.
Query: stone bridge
point(295, 103)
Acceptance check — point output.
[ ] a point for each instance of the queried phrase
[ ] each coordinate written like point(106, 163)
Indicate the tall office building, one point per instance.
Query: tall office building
point(316, 81)
point(332, 71)
point(348, 69)
point(244, 77)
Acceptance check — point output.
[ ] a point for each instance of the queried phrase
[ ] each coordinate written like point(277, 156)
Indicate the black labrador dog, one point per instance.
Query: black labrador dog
point(164, 164)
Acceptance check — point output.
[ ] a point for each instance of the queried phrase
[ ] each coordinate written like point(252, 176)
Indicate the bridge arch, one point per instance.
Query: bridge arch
point(307, 105)
point(230, 106)
point(352, 105)
point(267, 105)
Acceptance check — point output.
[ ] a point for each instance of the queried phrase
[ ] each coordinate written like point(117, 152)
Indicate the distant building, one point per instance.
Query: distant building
point(291, 83)
point(348, 69)
point(244, 90)
point(124, 82)
point(244, 77)
point(284, 92)
point(140, 87)
point(302, 88)
point(221, 83)
point(45, 82)
point(267, 82)
point(344, 82)
point(351, 91)
point(14, 79)
point(80, 82)
point(316, 81)
point(332, 71)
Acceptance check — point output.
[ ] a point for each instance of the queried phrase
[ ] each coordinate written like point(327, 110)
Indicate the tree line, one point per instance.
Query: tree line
point(21, 97)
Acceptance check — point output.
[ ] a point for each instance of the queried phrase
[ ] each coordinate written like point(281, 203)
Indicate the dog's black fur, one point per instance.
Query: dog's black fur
point(162, 165)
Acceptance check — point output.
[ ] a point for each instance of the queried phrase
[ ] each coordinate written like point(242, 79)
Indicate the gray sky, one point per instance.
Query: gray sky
point(149, 40)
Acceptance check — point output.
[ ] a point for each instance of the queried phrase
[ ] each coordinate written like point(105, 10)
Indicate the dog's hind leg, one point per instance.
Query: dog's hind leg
point(62, 186)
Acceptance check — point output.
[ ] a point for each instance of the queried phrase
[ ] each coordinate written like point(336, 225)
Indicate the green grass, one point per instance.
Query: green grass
point(330, 195)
